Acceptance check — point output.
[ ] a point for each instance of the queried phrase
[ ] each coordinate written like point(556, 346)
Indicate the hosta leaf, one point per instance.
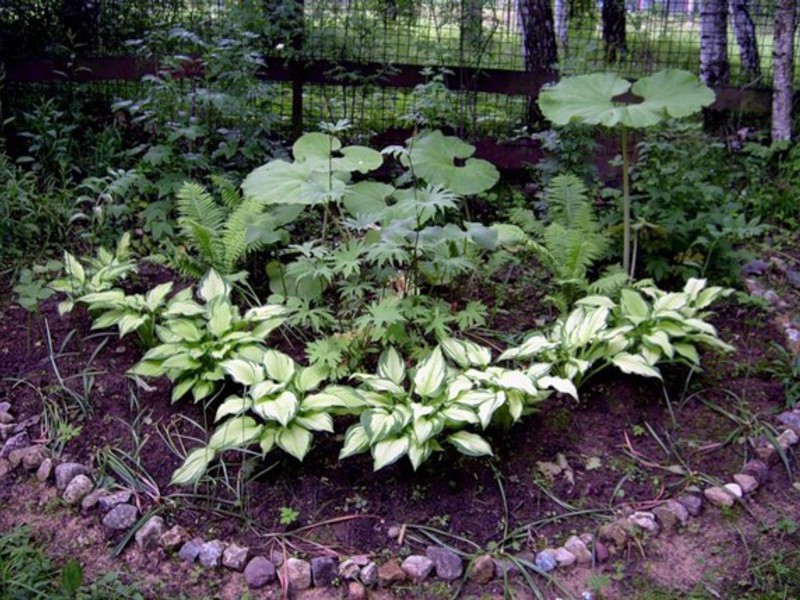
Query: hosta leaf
point(635, 364)
point(564, 386)
point(193, 466)
point(434, 157)
point(282, 408)
point(213, 286)
point(378, 423)
point(334, 396)
point(458, 416)
point(185, 330)
point(516, 380)
point(267, 311)
point(355, 442)
point(316, 422)
point(378, 384)
point(263, 389)
point(391, 366)
point(487, 409)
point(530, 347)
point(267, 441)
point(388, 451)
point(147, 368)
point(182, 387)
point(156, 296)
point(309, 378)
point(295, 440)
point(235, 433)
point(688, 351)
point(430, 374)
point(202, 389)
point(232, 406)
point(470, 444)
point(419, 453)
point(181, 361)
point(243, 371)
point(279, 366)
point(633, 304)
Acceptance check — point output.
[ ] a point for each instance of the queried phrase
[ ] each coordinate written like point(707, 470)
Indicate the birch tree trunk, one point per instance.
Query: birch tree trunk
point(538, 44)
point(745, 31)
point(714, 65)
point(783, 60)
point(562, 23)
point(613, 17)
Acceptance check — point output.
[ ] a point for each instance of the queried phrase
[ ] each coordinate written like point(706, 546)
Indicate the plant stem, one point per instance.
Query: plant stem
point(626, 206)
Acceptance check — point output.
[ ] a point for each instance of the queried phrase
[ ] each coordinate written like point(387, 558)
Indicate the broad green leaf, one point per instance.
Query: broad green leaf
point(355, 442)
point(308, 379)
point(235, 433)
point(280, 282)
point(333, 396)
point(635, 364)
point(458, 416)
point(278, 182)
point(584, 99)
point(366, 198)
point(185, 329)
point(564, 386)
point(434, 158)
point(633, 305)
point(295, 440)
point(267, 441)
point(156, 296)
point(315, 145)
point(182, 387)
point(430, 374)
point(182, 362)
point(669, 93)
point(279, 366)
point(282, 408)
point(470, 444)
point(687, 351)
point(73, 268)
point(213, 286)
point(358, 158)
point(391, 366)
point(418, 453)
point(316, 422)
point(266, 312)
point(388, 451)
point(232, 406)
point(193, 466)
point(243, 371)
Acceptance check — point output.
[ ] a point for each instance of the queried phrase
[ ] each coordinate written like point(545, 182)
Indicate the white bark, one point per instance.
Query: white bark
point(562, 23)
point(714, 65)
point(745, 31)
point(783, 60)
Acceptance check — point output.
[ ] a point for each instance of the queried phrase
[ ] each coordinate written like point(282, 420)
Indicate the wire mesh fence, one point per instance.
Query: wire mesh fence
point(630, 37)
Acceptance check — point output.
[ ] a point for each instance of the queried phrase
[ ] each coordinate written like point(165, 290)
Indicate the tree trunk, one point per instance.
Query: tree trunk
point(538, 45)
point(471, 26)
point(613, 17)
point(562, 23)
point(714, 66)
point(783, 59)
point(745, 31)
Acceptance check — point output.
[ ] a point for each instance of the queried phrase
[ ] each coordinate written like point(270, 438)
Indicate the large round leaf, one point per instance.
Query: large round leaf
point(592, 99)
point(438, 159)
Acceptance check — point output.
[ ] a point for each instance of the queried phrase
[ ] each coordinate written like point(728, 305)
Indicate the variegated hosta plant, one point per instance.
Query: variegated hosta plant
point(645, 327)
point(277, 408)
point(407, 413)
point(196, 338)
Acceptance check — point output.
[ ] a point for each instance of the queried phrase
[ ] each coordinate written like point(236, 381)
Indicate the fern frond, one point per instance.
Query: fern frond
point(234, 236)
point(201, 219)
point(569, 205)
point(611, 282)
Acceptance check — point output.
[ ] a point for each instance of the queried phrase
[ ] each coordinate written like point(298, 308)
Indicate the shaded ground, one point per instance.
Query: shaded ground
point(620, 446)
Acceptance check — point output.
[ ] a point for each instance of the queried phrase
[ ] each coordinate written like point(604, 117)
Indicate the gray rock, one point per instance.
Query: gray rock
point(577, 547)
point(755, 267)
point(78, 489)
point(418, 567)
point(356, 591)
point(29, 422)
point(719, 496)
point(546, 560)
point(324, 571)
point(45, 470)
point(173, 537)
point(787, 439)
point(6, 431)
point(793, 277)
point(748, 483)
point(645, 520)
point(505, 568)
point(235, 557)
point(5, 467)
point(772, 298)
point(390, 573)
point(109, 501)
point(90, 501)
point(734, 489)
point(259, 572)
point(276, 556)
point(448, 564)
point(298, 574)
point(693, 504)
point(211, 554)
point(564, 557)
point(671, 514)
point(482, 569)
point(6, 418)
point(65, 473)
point(349, 570)
point(614, 532)
point(190, 550)
point(16, 442)
point(30, 458)
point(600, 552)
point(148, 535)
point(121, 517)
point(369, 574)
point(5, 407)
point(394, 531)
point(791, 420)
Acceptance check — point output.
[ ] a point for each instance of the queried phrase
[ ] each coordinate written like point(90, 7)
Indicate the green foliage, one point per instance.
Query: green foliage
point(98, 274)
point(196, 338)
point(645, 327)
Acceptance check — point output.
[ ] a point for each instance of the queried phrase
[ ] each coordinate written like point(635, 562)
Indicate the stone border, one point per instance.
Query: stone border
point(117, 514)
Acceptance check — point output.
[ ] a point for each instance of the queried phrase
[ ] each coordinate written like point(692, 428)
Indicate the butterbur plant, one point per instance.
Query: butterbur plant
point(196, 338)
point(277, 409)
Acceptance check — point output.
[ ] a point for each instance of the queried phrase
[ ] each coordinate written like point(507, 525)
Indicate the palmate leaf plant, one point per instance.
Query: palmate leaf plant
point(645, 327)
point(278, 408)
point(196, 338)
point(599, 99)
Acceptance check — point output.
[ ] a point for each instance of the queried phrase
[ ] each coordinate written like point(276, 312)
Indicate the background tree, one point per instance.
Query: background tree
point(714, 66)
point(783, 61)
point(613, 18)
point(745, 31)
point(538, 45)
